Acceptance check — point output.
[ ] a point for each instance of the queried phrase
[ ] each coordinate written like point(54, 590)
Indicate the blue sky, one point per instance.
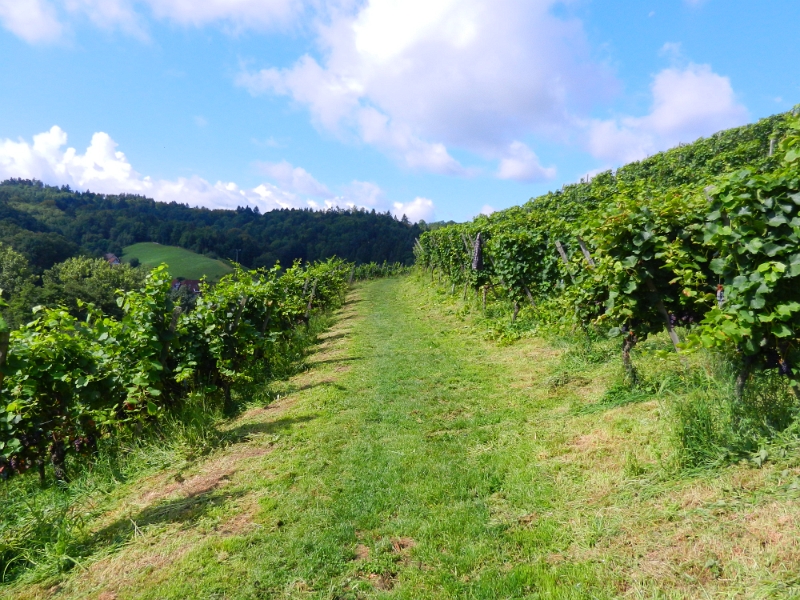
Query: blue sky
point(439, 109)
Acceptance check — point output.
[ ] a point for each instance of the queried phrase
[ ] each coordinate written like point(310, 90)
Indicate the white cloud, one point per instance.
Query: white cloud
point(269, 142)
point(417, 77)
point(104, 169)
point(237, 14)
point(295, 179)
point(673, 50)
point(397, 138)
point(522, 164)
point(363, 194)
point(200, 121)
point(416, 210)
point(109, 14)
point(687, 104)
point(35, 21)
point(487, 210)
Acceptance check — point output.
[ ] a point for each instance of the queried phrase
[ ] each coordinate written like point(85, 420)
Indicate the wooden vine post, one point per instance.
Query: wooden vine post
point(586, 254)
point(5, 337)
point(628, 342)
point(530, 295)
point(477, 254)
point(565, 259)
point(651, 287)
point(477, 261)
point(311, 301)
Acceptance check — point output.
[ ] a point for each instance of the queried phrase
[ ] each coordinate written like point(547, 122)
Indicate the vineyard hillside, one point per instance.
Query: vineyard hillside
point(594, 395)
point(412, 457)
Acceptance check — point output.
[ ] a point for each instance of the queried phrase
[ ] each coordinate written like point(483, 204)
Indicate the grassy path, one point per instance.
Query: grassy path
point(415, 460)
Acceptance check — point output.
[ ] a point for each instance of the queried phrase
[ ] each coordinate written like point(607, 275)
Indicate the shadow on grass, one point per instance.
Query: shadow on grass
point(186, 511)
point(619, 394)
point(336, 336)
point(333, 361)
point(244, 432)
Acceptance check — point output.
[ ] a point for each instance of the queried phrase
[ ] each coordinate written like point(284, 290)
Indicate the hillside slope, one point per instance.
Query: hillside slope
point(416, 460)
point(49, 224)
point(181, 262)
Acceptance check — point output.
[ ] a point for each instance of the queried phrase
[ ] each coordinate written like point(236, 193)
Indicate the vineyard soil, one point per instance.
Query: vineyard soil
point(416, 459)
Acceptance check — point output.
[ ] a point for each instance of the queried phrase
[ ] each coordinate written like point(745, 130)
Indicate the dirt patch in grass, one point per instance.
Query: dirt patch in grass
point(382, 581)
point(590, 442)
point(243, 522)
point(402, 544)
point(213, 474)
point(110, 576)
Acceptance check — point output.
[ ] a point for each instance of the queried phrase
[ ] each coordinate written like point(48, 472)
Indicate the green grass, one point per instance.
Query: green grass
point(182, 263)
point(415, 459)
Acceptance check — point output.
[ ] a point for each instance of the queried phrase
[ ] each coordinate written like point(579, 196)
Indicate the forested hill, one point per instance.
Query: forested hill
point(49, 224)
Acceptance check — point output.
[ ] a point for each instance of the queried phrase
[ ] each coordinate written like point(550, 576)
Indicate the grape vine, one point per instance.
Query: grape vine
point(66, 383)
point(702, 237)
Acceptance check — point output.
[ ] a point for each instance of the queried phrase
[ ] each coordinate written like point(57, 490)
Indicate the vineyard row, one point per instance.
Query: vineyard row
point(704, 237)
point(67, 382)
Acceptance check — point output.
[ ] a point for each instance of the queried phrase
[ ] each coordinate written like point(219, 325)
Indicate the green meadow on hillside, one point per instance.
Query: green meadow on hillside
point(182, 263)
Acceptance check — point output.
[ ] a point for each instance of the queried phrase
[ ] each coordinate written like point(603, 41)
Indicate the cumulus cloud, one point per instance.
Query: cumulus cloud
point(295, 179)
point(109, 14)
point(416, 210)
point(415, 78)
point(522, 164)
point(687, 103)
point(38, 21)
point(104, 169)
point(35, 21)
point(363, 194)
point(238, 14)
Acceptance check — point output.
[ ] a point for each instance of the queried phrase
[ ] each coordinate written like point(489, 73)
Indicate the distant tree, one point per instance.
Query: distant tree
point(43, 250)
point(50, 224)
point(91, 280)
point(17, 283)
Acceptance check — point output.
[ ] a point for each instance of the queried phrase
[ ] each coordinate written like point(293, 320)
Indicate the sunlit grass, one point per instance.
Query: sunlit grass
point(182, 262)
point(417, 459)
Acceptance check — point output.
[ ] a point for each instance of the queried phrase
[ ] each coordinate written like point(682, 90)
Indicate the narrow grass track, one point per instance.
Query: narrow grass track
point(416, 460)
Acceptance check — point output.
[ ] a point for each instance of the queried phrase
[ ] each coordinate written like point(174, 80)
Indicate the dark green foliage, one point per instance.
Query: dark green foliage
point(49, 224)
point(89, 281)
point(373, 270)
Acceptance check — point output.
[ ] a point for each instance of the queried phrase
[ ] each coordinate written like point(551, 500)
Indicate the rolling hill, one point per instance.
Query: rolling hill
point(182, 263)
